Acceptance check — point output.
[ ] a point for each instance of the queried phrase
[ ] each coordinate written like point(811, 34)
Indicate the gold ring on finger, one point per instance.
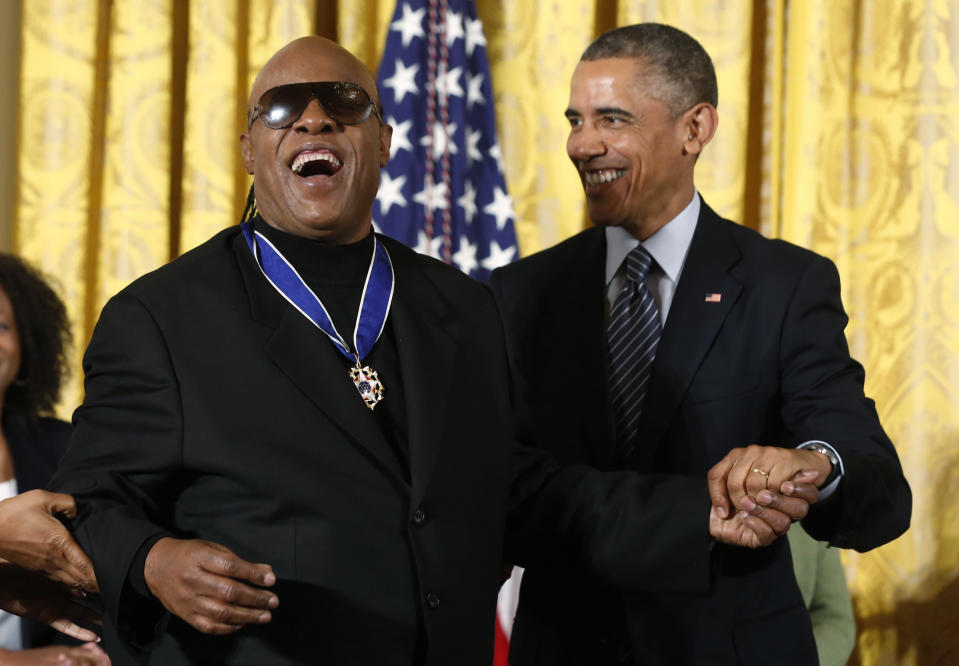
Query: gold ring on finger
point(763, 472)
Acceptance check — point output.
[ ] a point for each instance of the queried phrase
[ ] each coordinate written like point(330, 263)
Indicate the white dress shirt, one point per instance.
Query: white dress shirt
point(667, 247)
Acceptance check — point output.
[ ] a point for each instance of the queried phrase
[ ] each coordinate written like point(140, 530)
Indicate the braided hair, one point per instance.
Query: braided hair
point(249, 212)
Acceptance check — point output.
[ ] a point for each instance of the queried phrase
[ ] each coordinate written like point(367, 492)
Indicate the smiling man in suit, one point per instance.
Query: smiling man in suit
point(256, 488)
point(674, 341)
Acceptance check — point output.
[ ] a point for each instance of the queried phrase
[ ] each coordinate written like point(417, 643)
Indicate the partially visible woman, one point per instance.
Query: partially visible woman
point(822, 583)
point(34, 338)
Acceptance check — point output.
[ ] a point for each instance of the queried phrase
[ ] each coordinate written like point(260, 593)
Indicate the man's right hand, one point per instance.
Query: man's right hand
point(208, 586)
point(31, 537)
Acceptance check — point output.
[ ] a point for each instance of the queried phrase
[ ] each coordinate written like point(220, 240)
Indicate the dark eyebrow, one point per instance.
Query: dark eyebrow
point(602, 111)
point(614, 111)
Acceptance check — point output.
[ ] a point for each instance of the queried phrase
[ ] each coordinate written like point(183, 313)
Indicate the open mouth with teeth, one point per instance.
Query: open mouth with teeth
point(311, 163)
point(602, 176)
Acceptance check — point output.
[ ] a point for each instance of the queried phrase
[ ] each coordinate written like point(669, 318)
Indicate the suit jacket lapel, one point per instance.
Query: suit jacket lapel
point(691, 327)
point(307, 357)
point(426, 333)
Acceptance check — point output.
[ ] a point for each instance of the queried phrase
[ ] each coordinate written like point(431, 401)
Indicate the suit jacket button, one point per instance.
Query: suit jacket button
point(432, 600)
point(419, 517)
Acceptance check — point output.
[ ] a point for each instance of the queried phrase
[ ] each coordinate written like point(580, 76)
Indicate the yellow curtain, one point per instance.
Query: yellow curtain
point(128, 149)
point(868, 174)
point(838, 131)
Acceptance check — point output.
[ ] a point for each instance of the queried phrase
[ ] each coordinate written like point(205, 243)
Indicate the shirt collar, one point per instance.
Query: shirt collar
point(667, 246)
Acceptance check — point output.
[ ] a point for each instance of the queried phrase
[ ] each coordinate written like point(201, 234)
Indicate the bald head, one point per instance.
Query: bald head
point(304, 58)
point(316, 176)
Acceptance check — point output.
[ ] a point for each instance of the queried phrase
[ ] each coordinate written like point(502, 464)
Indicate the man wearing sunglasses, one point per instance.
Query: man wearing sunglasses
point(304, 430)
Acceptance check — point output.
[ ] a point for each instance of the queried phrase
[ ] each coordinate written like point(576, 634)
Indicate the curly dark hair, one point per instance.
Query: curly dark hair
point(45, 338)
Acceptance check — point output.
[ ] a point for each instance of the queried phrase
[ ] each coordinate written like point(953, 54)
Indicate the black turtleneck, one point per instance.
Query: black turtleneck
point(336, 274)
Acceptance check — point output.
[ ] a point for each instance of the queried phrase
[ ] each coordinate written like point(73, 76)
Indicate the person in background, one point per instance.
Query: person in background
point(34, 338)
point(822, 584)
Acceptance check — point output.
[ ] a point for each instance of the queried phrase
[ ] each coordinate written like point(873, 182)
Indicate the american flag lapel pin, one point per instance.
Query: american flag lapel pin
point(714, 298)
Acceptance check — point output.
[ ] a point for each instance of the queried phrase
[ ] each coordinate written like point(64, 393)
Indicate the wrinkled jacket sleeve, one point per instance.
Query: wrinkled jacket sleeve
point(823, 399)
point(631, 531)
point(124, 458)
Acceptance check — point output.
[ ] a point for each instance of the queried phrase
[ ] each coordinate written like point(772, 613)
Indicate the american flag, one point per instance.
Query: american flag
point(443, 191)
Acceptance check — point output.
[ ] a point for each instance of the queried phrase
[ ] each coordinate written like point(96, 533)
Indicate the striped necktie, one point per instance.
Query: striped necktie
point(632, 336)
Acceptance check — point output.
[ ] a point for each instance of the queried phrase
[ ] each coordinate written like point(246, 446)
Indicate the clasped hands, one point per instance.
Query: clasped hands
point(757, 492)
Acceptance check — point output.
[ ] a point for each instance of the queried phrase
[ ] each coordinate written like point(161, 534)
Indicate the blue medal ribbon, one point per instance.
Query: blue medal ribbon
point(374, 305)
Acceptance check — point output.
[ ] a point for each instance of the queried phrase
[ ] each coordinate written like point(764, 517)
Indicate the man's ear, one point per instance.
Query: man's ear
point(700, 124)
point(386, 137)
point(246, 149)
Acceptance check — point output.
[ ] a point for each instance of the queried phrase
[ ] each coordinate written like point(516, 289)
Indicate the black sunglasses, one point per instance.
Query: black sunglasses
point(346, 103)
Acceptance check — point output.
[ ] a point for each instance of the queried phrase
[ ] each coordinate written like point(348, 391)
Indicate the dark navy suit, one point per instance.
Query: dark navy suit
point(765, 362)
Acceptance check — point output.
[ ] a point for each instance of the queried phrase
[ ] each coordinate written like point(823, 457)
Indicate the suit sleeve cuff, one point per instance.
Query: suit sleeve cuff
point(136, 578)
point(143, 619)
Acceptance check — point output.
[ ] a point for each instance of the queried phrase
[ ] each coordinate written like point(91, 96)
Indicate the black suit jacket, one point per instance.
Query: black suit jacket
point(215, 410)
point(35, 457)
point(768, 364)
